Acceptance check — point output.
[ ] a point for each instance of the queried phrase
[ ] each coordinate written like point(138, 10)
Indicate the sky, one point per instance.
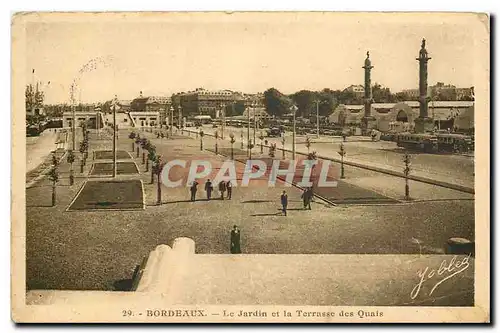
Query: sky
point(161, 55)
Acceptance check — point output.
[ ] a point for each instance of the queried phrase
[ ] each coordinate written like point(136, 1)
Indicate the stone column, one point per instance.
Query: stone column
point(368, 121)
point(423, 123)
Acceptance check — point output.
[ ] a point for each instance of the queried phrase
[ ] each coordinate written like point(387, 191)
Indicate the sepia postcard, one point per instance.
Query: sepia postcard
point(250, 167)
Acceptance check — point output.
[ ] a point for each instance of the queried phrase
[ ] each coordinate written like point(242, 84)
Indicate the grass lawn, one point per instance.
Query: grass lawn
point(104, 194)
point(105, 169)
point(108, 155)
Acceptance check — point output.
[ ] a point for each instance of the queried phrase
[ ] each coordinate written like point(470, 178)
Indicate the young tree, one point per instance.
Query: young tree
point(55, 160)
point(71, 159)
point(82, 153)
point(216, 136)
point(241, 139)
point(308, 143)
point(54, 178)
point(406, 171)
point(312, 156)
point(272, 150)
point(151, 156)
point(261, 137)
point(138, 141)
point(144, 145)
point(132, 137)
point(157, 169)
point(250, 147)
point(283, 145)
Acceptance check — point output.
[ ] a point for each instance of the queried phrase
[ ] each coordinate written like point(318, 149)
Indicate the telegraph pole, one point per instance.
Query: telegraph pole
point(294, 111)
point(317, 119)
point(254, 121)
point(249, 152)
point(223, 110)
point(73, 127)
point(171, 120)
point(114, 137)
point(180, 117)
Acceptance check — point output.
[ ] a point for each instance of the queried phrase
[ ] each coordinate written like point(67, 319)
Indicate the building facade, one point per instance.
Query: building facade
point(204, 102)
point(395, 117)
point(357, 89)
point(152, 105)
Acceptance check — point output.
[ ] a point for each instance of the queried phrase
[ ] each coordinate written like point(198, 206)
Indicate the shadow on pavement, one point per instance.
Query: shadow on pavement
point(269, 214)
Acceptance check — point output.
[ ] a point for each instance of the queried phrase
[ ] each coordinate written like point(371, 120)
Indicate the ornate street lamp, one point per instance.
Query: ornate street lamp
point(231, 136)
point(342, 154)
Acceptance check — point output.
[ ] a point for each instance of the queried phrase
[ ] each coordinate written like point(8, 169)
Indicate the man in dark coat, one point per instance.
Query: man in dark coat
point(222, 189)
point(284, 202)
point(229, 187)
point(208, 188)
point(306, 197)
point(193, 189)
point(235, 240)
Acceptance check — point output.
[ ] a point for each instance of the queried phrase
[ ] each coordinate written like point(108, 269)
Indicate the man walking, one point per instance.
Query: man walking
point(222, 189)
point(306, 197)
point(229, 188)
point(208, 188)
point(284, 202)
point(235, 240)
point(193, 189)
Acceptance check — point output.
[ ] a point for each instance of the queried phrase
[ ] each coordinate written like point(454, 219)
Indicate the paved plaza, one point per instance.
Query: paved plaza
point(452, 168)
point(89, 248)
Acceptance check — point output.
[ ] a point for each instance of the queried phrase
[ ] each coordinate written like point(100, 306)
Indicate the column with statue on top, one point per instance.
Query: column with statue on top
point(423, 123)
point(368, 122)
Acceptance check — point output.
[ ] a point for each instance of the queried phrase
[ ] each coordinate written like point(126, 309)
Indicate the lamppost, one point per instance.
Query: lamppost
point(317, 119)
point(342, 154)
point(223, 111)
point(254, 106)
point(241, 139)
point(248, 133)
point(294, 109)
point(73, 113)
point(171, 120)
point(201, 139)
point(231, 136)
point(283, 144)
point(180, 123)
point(216, 135)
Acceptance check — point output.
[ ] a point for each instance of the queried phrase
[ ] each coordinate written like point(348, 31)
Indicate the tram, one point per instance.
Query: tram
point(424, 142)
point(452, 142)
point(435, 142)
